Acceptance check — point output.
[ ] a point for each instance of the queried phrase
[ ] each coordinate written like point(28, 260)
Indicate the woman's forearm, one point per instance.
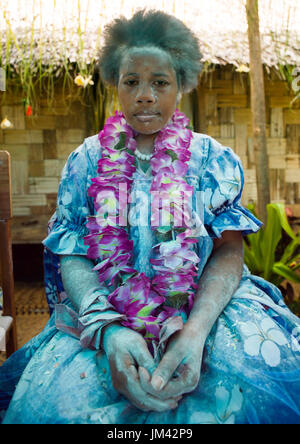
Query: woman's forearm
point(218, 283)
point(78, 278)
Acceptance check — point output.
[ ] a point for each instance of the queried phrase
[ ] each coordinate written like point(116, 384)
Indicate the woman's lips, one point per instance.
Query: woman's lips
point(145, 117)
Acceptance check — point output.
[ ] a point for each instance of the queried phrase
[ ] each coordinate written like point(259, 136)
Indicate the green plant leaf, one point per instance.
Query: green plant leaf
point(145, 311)
point(251, 260)
point(270, 237)
point(255, 247)
point(289, 251)
point(172, 154)
point(164, 229)
point(121, 144)
point(284, 271)
point(252, 207)
point(280, 209)
point(259, 251)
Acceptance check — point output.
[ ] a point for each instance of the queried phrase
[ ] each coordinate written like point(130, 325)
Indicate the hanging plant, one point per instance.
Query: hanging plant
point(36, 62)
point(27, 108)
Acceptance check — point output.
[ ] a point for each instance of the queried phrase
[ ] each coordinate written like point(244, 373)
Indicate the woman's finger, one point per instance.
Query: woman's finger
point(186, 380)
point(143, 357)
point(143, 400)
point(165, 370)
point(145, 380)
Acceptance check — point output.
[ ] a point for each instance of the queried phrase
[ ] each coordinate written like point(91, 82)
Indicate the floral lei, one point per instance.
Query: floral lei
point(146, 303)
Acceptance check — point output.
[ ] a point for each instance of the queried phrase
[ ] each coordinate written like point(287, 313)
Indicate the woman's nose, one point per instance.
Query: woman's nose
point(145, 94)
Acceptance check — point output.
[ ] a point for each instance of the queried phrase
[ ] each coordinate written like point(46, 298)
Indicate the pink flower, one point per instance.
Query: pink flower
point(143, 300)
point(111, 267)
point(177, 136)
point(163, 182)
point(106, 200)
point(179, 153)
point(117, 155)
point(114, 126)
point(148, 326)
point(118, 168)
point(135, 289)
point(179, 249)
point(164, 283)
point(139, 303)
point(161, 160)
point(105, 242)
point(180, 119)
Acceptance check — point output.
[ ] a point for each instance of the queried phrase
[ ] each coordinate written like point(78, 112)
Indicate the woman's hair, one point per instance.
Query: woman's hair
point(153, 29)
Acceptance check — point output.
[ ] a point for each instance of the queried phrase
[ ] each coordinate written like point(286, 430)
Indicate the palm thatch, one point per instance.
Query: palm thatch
point(53, 34)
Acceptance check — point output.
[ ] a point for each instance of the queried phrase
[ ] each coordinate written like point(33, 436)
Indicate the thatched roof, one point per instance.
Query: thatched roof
point(51, 33)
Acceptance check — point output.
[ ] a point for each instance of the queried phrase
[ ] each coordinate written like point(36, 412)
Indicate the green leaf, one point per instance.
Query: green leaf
point(289, 251)
point(176, 299)
point(296, 267)
point(284, 271)
point(270, 237)
point(280, 209)
point(144, 312)
point(255, 247)
point(164, 229)
point(250, 259)
point(121, 144)
point(172, 154)
point(260, 249)
point(252, 207)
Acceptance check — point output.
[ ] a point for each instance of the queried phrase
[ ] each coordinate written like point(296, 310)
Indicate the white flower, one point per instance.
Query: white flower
point(6, 124)
point(265, 340)
point(82, 81)
point(231, 181)
point(226, 405)
point(243, 68)
point(296, 338)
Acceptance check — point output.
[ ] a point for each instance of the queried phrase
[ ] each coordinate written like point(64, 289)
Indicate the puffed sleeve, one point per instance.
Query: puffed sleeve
point(222, 186)
point(73, 206)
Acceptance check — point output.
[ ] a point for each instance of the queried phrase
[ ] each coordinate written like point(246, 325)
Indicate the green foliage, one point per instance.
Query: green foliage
point(274, 251)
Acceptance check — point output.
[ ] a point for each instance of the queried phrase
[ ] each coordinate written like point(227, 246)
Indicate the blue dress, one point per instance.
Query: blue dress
point(251, 364)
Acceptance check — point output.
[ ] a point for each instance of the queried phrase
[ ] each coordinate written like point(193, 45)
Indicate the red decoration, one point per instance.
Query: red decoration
point(28, 111)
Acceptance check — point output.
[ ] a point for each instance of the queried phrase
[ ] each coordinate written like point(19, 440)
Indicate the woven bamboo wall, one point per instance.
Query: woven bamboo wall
point(39, 145)
point(224, 113)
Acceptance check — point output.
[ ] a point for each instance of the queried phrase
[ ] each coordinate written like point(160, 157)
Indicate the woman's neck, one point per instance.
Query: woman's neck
point(145, 143)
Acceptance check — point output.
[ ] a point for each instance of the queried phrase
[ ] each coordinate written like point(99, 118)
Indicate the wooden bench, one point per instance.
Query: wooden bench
point(8, 318)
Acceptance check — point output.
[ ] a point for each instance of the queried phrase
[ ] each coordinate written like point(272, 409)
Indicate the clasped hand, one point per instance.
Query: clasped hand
point(148, 386)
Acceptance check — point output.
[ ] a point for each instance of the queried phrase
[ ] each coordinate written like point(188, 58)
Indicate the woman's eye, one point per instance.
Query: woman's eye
point(131, 82)
point(161, 83)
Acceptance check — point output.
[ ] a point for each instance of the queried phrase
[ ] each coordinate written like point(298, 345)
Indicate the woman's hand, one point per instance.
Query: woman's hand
point(127, 351)
point(179, 370)
point(183, 355)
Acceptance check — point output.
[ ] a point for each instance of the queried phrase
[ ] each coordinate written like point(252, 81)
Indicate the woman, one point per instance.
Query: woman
point(158, 322)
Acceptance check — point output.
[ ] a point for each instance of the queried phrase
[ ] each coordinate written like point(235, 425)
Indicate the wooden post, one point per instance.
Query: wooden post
point(6, 259)
point(258, 108)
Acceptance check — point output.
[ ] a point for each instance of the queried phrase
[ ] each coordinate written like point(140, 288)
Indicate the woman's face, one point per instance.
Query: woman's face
point(147, 89)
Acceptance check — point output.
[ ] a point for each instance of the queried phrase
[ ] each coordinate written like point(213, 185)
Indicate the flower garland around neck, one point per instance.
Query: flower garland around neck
point(147, 303)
